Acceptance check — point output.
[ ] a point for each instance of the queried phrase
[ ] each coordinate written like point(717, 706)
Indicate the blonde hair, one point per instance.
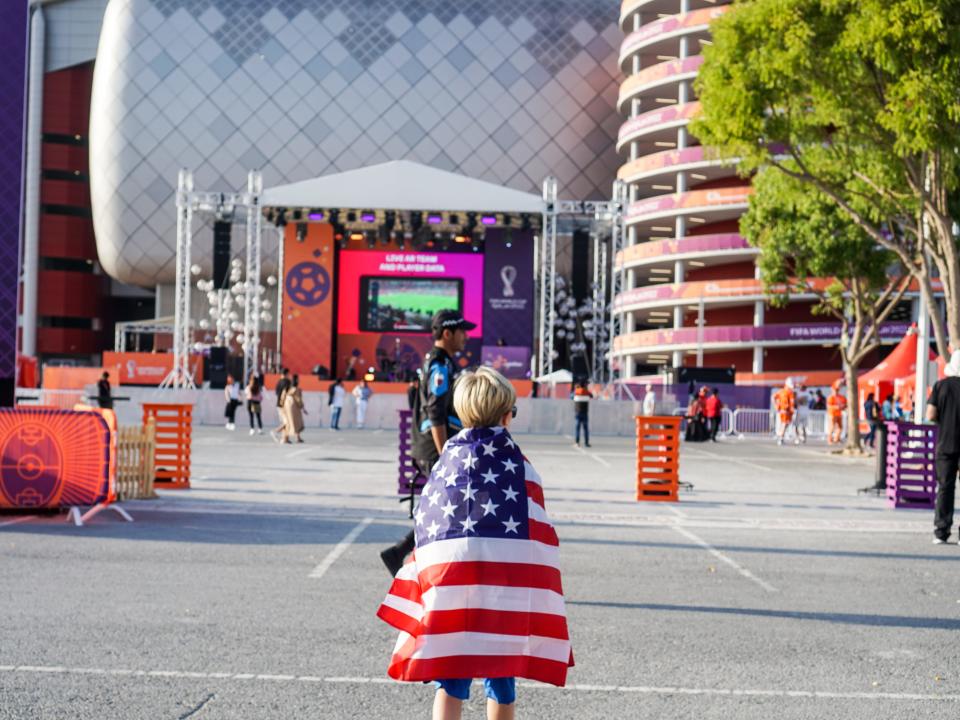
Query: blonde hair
point(481, 398)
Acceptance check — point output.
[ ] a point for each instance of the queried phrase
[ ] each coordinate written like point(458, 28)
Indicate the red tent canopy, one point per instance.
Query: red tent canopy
point(892, 372)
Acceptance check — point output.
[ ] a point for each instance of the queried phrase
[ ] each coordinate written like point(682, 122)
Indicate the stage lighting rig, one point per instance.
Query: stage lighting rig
point(315, 215)
point(525, 221)
point(281, 218)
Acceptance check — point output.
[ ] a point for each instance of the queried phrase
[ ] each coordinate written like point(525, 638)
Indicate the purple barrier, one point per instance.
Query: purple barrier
point(911, 475)
point(410, 481)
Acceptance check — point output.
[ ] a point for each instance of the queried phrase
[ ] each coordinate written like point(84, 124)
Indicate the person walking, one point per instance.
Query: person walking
point(362, 393)
point(713, 411)
point(254, 401)
point(482, 596)
point(283, 384)
point(784, 402)
point(335, 396)
point(581, 396)
point(104, 398)
point(231, 393)
point(871, 413)
point(649, 402)
point(293, 411)
point(802, 418)
point(836, 405)
point(696, 418)
point(434, 417)
point(943, 408)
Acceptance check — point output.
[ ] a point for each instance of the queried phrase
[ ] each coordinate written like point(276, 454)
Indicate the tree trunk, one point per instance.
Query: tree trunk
point(853, 406)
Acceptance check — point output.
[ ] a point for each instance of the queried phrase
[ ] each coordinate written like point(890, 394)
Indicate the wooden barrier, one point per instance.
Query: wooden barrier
point(911, 473)
point(172, 433)
point(136, 449)
point(658, 458)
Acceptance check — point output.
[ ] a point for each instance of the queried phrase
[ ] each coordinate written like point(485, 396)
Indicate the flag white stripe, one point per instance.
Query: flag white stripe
point(407, 607)
point(531, 475)
point(457, 644)
point(536, 512)
point(483, 549)
point(494, 597)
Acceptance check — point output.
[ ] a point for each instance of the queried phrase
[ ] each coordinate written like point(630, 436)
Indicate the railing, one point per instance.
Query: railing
point(753, 421)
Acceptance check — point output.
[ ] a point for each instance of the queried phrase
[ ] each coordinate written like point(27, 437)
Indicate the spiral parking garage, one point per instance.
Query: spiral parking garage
point(691, 294)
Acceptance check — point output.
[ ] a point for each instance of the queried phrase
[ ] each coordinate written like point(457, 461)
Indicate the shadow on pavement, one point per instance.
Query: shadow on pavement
point(953, 557)
point(900, 621)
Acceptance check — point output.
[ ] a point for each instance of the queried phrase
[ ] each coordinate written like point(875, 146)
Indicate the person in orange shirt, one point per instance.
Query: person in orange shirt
point(785, 403)
point(836, 404)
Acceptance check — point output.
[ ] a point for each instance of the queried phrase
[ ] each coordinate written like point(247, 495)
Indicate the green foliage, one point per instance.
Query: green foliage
point(802, 234)
point(855, 90)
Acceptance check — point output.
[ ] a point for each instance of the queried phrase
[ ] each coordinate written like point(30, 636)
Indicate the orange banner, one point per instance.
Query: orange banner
point(307, 319)
point(144, 368)
point(53, 458)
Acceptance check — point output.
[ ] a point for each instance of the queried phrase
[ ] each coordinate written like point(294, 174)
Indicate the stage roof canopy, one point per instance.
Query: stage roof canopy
point(402, 185)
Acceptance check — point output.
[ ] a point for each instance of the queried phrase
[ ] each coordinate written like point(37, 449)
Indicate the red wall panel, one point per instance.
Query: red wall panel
point(66, 101)
point(67, 341)
point(69, 294)
point(64, 236)
point(56, 156)
point(64, 192)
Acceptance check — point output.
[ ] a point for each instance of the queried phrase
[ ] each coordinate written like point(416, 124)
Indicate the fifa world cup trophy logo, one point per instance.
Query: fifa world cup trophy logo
point(508, 274)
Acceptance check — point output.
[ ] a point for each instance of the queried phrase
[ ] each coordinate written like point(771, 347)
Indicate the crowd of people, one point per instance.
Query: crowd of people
point(289, 403)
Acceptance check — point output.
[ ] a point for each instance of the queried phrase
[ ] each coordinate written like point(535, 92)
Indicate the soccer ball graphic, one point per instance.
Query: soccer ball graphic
point(307, 284)
point(30, 469)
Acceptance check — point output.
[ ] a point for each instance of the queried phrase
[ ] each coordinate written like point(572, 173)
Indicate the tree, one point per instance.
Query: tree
point(859, 99)
point(808, 245)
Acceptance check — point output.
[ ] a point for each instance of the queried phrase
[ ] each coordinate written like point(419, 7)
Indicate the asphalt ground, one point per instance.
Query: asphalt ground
point(771, 589)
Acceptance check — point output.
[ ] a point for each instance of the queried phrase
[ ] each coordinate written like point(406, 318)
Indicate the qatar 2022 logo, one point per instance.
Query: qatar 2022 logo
point(307, 284)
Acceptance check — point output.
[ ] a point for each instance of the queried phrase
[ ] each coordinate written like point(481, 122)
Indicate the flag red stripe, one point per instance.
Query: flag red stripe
point(500, 622)
point(397, 619)
point(407, 589)
point(491, 573)
point(543, 532)
point(479, 666)
point(535, 493)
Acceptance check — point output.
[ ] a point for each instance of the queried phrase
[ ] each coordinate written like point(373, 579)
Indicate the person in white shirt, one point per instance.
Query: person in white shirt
point(231, 392)
point(362, 393)
point(649, 402)
point(335, 398)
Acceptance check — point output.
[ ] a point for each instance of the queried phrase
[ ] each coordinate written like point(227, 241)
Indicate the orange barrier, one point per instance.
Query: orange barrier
point(658, 458)
point(53, 458)
point(173, 428)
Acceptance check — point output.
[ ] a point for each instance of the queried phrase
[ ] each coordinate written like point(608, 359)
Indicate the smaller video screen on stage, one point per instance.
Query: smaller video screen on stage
point(397, 304)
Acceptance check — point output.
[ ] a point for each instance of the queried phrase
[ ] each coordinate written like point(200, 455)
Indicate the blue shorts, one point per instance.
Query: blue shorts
point(500, 690)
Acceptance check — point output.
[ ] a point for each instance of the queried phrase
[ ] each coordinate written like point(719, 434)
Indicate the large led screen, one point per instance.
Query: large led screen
point(395, 304)
point(398, 292)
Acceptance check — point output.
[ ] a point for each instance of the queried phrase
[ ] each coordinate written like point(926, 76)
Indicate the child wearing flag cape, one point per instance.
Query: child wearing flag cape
point(481, 596)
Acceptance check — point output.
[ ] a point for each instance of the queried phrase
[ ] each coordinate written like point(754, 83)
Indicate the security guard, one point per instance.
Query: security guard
point(434, 419)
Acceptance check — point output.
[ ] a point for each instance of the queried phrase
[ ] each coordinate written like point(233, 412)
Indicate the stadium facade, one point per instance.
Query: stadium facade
point(499, 91)
point(692, 295)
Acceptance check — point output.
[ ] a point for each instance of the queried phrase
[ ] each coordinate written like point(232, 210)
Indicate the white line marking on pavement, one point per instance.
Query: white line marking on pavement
point(298, 453)
point(592, 455)
point(727, 459)
point(17, 520)
point(676, 512)
point(341, 546)
point(638, 689)
point(724, 558)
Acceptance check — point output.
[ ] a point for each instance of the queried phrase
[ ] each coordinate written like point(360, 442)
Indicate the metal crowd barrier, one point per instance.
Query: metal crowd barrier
point(756, 422)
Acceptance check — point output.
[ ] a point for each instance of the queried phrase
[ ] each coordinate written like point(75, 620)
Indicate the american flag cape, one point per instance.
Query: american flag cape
point(481, 596)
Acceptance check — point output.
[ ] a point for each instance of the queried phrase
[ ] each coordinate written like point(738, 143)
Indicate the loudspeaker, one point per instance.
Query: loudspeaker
point(221, 254)
point(217, 368)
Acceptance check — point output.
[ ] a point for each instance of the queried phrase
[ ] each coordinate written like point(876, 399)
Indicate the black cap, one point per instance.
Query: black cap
point(450, 320)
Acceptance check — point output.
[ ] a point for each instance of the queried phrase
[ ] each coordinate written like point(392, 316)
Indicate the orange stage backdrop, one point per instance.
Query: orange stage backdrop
point(144, 368)
point(53, 458)
point(307, 298)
